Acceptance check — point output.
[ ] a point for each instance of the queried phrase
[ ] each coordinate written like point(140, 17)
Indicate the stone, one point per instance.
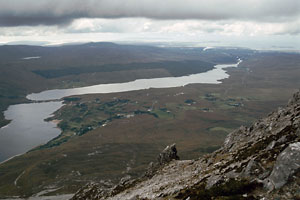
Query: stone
point(271, 145)
point(287, 163)
point(213, 180)
point(251, 168)
point(295, 99)
point(168, 154)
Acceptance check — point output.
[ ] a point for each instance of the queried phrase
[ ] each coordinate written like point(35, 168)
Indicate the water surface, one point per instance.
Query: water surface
point(27, 128)
point(213, 76)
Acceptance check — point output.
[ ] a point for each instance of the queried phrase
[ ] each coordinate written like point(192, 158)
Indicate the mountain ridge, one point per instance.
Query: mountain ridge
point(256, 162)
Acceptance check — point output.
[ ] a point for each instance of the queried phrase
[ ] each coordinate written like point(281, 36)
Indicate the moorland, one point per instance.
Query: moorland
point(109, 136)
point(26, 69)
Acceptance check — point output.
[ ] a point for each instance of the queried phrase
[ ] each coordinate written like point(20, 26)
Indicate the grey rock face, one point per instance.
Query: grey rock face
point(295, 99)
point(251, 169)
point(168, 154)
point(213, 180)
point(287, 163)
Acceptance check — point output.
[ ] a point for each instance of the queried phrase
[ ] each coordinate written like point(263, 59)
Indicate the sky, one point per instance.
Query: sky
point(259, 24)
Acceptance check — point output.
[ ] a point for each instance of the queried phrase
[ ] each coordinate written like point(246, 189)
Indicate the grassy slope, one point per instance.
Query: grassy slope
point(200, 117)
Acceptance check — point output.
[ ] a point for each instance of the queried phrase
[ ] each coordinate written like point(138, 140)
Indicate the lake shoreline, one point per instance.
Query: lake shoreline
point(213, 76)
point(24, 131)
point(208, 78)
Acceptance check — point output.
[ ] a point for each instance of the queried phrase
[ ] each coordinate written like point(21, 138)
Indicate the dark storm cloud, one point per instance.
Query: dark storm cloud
point(33, 20)
point(58, 12)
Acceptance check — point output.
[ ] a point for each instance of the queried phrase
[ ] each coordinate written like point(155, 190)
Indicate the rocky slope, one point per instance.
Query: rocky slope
point(258, 162)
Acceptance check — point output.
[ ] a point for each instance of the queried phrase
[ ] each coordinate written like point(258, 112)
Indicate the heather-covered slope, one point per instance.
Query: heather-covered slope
point(261, 161)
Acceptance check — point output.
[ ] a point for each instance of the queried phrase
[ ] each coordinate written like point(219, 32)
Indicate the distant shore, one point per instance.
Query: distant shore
point(56, 121)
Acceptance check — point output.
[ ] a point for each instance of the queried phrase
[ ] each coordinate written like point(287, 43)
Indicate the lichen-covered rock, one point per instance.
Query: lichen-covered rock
point(287, 163)
point(168, 154)
point(295, 99)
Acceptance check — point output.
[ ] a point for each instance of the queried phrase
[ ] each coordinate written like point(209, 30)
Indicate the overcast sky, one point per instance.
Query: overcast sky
point(250, 23)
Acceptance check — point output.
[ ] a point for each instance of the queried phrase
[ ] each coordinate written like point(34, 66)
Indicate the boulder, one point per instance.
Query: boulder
point(295, 99)
point(168, 154)
point(287, 163)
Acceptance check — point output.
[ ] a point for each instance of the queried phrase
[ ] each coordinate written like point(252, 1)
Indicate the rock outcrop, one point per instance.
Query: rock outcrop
point(287, 163)
point(168, 154)
point(257, 162)
point(103, 191)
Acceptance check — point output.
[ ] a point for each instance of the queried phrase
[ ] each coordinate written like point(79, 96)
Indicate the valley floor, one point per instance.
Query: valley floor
point(106, 137)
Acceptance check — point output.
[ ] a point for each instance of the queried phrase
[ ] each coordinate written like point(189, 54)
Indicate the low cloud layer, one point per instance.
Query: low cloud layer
point(189, 27)
point(60, 12)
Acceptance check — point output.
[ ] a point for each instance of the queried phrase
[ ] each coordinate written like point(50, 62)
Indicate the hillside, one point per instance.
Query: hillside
point(25, 69)
point(256, 162)
point(196, 117)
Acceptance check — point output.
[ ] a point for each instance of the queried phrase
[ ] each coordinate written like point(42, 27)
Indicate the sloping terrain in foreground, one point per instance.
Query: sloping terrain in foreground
point(258, 162)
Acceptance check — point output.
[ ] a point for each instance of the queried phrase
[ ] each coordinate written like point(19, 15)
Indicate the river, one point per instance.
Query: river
point(28, 128)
